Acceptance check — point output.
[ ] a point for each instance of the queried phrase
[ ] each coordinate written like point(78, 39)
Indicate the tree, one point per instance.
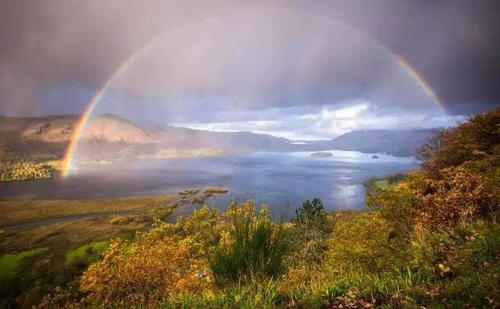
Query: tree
point(310, 230)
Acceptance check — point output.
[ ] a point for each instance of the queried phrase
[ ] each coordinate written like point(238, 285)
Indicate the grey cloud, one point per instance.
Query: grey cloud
point(234, 57)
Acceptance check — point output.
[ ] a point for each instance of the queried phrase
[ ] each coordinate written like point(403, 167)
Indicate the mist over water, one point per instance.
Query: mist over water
point(281, 180)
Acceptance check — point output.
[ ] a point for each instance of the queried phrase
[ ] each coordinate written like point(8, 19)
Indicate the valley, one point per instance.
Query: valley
point(34, 147)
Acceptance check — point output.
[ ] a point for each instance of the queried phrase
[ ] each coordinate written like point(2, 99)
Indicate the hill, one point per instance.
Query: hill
point(430, 239)
point(394, 142)
point(112, 137)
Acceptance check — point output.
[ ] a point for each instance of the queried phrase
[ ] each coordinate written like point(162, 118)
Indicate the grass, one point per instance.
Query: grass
point(87, 253)
point(213, 190)
point(258, 250)
point(382, 184)
point(9, 263)
point(198, 200)
point(72, 245)
point(191, 191)
point(17, 211)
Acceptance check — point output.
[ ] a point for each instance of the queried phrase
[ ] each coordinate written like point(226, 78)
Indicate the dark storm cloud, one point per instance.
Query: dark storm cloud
point(47, 45)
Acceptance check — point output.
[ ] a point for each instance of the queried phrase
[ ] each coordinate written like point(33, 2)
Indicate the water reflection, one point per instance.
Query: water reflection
point(281, 180)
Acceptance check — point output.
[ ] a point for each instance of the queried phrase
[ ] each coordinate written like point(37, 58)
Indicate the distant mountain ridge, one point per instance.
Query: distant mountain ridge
point(394, 142)
point(109, 135)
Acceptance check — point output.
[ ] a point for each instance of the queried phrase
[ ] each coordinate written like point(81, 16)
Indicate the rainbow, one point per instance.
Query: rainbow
point(420, 81)
point(84, 118)
point(77, 133)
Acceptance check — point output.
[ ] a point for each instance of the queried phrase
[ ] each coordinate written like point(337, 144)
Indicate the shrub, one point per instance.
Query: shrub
point(150, 269)
point(428, 250)
point(256, 246)
point(397, 206)
point(24, 170)
point(472, 140)
point(310, 230)
point(456, 198)
point(166, 262)
point(362, 243)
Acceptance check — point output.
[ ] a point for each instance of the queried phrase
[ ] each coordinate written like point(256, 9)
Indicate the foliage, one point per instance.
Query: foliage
point(14, 167)
point(430, 239)
point(166, 262)
point(10, 262)
point(310, 231)
point(458, 196)
point(476, 269)
point(12, 171)
point(311, 215)
point(255, 249)
point(396, 205)
point(151, 268)
point(431, 147)
point(86, 254)
point(472, 140)
point(363, 242)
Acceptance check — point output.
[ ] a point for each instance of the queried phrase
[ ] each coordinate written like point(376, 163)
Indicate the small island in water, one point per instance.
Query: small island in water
point(321, 154)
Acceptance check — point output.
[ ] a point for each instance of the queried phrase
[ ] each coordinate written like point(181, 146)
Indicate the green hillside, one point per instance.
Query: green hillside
point(430, 240)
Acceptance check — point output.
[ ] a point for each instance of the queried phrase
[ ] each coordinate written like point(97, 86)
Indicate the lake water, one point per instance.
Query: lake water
point(281, 180)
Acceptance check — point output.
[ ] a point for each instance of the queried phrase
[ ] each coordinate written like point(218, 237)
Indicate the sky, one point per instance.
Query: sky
point(303, 70)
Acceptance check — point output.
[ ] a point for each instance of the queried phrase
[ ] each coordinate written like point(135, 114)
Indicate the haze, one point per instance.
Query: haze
point(301, 70)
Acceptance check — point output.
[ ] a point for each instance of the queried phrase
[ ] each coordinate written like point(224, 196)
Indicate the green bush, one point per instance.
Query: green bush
point(257, 249)
point(396, 205)
point(309, 232)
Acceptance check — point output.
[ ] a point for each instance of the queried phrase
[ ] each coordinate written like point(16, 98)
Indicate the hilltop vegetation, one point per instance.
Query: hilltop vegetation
point(431, 239)
point(14, 168)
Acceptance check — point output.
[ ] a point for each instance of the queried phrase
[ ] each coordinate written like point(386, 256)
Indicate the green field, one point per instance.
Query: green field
point(87, 253)
point(382, 184)
point(9, 263)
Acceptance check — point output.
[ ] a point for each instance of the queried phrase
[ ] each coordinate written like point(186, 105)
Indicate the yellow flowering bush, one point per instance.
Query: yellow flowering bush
point(149, 270)
point(167, 262)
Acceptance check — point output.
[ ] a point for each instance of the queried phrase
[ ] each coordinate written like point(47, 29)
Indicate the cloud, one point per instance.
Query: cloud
point(223, 61)
point(316, 123)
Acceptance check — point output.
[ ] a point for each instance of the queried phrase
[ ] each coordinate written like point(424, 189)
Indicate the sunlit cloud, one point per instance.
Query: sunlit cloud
point(317, 123)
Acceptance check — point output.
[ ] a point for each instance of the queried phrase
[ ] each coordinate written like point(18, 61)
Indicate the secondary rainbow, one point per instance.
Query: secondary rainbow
point(70, 151)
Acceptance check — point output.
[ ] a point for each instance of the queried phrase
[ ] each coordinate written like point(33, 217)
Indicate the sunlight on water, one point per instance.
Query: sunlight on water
point(281, 180)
